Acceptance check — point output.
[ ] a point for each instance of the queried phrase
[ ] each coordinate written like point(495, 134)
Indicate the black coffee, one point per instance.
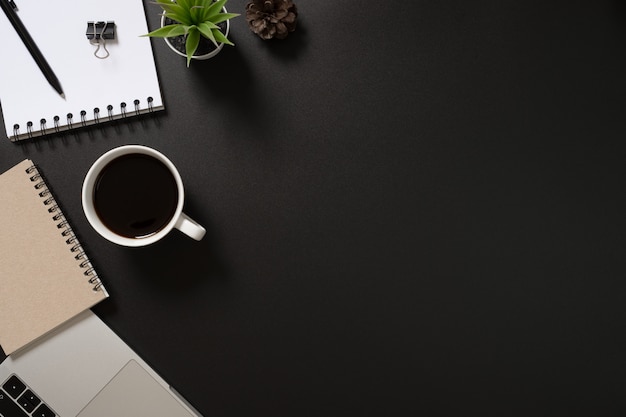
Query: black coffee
point(135, 195)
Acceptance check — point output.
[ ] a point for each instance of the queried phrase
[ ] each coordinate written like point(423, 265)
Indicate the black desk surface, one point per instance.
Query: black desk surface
point(412, 208)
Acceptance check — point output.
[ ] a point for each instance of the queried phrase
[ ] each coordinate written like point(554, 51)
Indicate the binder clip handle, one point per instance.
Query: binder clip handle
point(98, 33)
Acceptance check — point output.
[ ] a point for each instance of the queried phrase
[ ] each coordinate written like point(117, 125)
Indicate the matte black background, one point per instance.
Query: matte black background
point(413, 208)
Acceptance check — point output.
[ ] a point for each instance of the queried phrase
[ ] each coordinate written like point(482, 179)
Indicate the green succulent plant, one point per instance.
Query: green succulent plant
point(195, 18)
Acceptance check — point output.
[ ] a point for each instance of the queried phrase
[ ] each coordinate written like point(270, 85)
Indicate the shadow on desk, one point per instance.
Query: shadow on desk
point(229, 81)
point(177, 264)
point(235, 80)
point(290, 48)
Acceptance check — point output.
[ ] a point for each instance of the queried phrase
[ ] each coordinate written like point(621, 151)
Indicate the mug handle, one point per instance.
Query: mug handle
point(190, 227)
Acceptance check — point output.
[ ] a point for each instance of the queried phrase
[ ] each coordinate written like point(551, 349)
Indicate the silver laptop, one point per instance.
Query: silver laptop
point(83, 369)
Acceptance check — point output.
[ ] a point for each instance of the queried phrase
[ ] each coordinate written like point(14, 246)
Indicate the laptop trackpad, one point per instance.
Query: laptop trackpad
point(133, 392)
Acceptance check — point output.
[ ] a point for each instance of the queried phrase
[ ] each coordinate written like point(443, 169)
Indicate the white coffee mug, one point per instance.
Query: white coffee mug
point(178, 220)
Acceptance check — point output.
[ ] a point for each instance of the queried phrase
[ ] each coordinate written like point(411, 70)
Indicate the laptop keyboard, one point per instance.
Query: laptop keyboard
point(18, 400)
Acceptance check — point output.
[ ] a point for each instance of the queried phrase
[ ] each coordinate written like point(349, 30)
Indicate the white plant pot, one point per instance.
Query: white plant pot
point(198, 57)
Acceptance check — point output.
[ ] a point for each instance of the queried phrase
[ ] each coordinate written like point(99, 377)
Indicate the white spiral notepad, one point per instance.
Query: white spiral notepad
point(96, 90)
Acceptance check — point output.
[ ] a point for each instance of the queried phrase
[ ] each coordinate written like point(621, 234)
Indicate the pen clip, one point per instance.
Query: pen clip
point(13, 5)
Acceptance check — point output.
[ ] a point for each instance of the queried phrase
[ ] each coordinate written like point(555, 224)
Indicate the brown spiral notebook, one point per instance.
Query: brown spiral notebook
point(45, 276)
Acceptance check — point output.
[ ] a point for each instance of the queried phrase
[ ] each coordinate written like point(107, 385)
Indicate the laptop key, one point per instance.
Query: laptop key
point(14, 386)
point(43, 411)
point(31, 398)
point(25, 403)
point(8, 408)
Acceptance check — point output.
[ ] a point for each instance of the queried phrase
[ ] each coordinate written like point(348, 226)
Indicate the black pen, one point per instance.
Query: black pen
point(8, 7)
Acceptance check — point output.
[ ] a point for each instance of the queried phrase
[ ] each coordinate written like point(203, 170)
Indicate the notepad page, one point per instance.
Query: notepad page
point(59, 30)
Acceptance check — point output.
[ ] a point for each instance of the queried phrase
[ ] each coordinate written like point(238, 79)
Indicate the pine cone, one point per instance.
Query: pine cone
point(271, 18)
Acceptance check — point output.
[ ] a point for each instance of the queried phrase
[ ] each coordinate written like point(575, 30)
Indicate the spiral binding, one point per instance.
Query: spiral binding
point(71, 122)
point(62, 224)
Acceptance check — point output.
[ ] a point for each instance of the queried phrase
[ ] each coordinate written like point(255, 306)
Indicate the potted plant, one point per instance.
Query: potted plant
point(187, 24)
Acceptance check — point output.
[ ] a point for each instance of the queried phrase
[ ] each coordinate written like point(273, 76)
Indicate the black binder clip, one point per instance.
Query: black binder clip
point(98, 33)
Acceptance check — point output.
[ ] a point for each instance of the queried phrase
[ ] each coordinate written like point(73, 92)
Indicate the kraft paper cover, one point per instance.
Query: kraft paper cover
point(42, 285)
